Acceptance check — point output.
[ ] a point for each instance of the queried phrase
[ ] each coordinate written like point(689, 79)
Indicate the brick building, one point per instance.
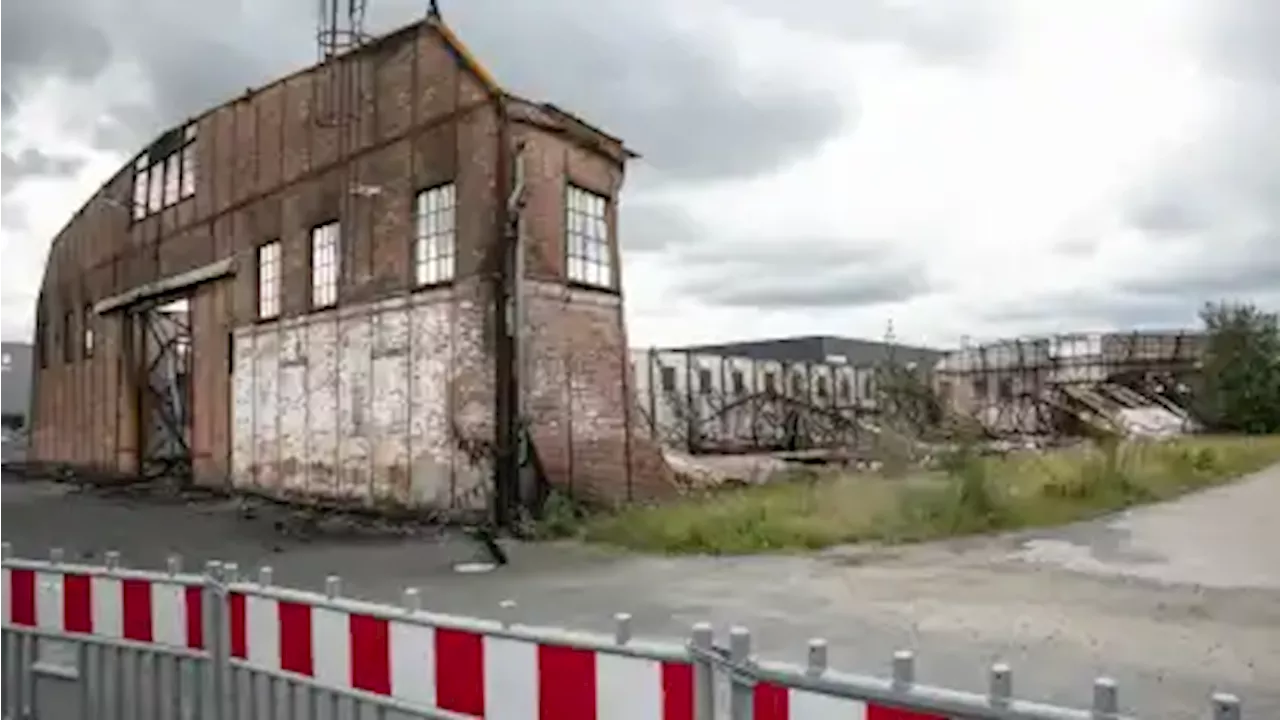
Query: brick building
point(312, 298)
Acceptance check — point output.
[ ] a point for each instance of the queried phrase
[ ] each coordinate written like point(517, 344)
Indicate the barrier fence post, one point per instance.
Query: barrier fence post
point(217, 632)
point(1226, 707)
point(741, 688)
point(704, 673)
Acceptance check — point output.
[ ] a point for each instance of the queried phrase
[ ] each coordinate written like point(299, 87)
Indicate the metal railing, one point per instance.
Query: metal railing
point(121, 644)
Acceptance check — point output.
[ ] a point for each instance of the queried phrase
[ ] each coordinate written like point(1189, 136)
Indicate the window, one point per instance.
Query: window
point(846, 389)
point(770, 382)
point(704, 381)
point(433, 247)
point(739, 386)
point(140, 188)
point(87, 331)
point(980, 388)
point(189, 162)
point(156, 194)
point(1005, 389)
point(269, 280)
point(797, 384)
point(166, 173)
point(324, 265)
point(820, 387)
point(172, 171)
point(587, 238)
point(668, 379)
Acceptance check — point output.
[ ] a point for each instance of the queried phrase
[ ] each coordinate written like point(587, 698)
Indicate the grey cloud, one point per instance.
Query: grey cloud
point(33, 163)
point(956, 31)
point(675, 97)
point(800, 274)
point(1103, 309)
point(1241, 38)
point(1243, 268)
point(650, 225)
point(15, 216)
point(49, 38)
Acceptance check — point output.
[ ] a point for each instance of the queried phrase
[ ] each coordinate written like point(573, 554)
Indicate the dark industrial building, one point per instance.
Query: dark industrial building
point(364, 282)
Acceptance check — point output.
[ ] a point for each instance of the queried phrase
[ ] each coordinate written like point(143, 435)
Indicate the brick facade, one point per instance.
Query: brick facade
point(389, 397)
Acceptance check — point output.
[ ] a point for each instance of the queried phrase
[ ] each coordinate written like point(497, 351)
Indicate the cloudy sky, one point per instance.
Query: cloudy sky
point(952, 167)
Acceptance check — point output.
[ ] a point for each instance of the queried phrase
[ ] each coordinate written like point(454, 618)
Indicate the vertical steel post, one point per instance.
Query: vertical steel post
point(216, 693)
point(741, 689)
point(704, 673)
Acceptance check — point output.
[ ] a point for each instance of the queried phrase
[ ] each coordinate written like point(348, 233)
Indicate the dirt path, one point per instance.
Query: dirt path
point(1172, 601)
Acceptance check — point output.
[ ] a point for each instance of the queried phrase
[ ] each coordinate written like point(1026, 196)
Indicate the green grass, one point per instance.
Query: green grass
point(970, 494)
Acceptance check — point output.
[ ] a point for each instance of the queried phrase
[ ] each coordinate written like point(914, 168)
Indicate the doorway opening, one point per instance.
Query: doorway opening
point(165, 389)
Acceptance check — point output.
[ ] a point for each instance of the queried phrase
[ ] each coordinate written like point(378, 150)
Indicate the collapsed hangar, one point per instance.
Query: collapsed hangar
point(380, 280)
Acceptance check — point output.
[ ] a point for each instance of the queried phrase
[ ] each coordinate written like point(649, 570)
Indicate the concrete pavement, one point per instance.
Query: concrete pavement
point(1173, 601)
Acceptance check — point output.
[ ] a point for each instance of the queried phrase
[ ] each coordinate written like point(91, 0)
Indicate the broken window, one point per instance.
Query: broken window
point(668, 379)
point(980, 388)
point(704, 381)
point(1006, 388)
point(589, 258)
point(140, 188)
point(739, 385)
point(324, 265)
point(87, 332)
point(846, 389)
point(820, 387)
point(165, 174)
point(770, 382)
point(269, 280)
point(433, 248)
point(155, 195)
point(797, 384)
point(189, 162)
point(172, 171)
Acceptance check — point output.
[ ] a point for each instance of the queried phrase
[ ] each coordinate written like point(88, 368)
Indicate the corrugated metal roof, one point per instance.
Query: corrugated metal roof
point(821, 348)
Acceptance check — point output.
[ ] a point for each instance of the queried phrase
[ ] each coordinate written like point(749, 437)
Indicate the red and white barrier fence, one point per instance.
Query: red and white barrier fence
point(471, 668)
point(137, 609)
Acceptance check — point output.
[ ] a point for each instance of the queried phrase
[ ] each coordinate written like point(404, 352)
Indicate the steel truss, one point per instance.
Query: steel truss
point(166, 390)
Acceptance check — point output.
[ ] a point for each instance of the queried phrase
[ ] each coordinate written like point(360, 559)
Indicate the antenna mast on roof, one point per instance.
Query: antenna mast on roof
point(338, 88)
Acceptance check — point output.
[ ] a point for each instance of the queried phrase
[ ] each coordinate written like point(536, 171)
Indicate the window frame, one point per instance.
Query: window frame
point(276, 248)
point(432, 270)
point(332, 280)
point(604, 262)
point(161, 192)
point(88, 332)
point(68, 336)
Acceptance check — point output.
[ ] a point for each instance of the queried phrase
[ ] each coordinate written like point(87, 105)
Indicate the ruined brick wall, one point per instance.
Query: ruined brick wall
point(578, 396)
point(264, 171)
point(388, 398)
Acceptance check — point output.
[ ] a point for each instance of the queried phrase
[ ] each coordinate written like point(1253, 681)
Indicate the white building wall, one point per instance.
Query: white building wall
point(726, 418)
point(356, 404)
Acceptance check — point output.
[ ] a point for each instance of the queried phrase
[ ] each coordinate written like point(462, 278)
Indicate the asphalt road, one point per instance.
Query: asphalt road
point(1172, 601)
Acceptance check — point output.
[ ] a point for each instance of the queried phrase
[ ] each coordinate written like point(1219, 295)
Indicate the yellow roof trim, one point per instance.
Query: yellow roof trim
point(464, 54)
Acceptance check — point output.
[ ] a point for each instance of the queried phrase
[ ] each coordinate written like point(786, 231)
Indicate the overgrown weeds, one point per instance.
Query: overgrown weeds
point(969, 493)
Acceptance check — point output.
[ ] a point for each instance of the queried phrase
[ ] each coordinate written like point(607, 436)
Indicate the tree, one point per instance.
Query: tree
point(1241, 378)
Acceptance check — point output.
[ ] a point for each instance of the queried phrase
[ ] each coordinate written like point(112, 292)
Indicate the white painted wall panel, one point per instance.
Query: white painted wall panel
point(355, 404)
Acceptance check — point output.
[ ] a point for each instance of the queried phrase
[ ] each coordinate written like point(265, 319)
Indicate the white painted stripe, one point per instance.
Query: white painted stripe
point(108, 607)
point(413, 663)
point(331, 646)
point(49, 601)
point(262, 631)
point(8, 604)
point(169, 614)
point(804, 704)
point(510, 679)
point(628, 688)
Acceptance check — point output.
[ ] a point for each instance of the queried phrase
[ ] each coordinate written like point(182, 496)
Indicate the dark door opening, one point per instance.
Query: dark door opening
point(164, 389)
